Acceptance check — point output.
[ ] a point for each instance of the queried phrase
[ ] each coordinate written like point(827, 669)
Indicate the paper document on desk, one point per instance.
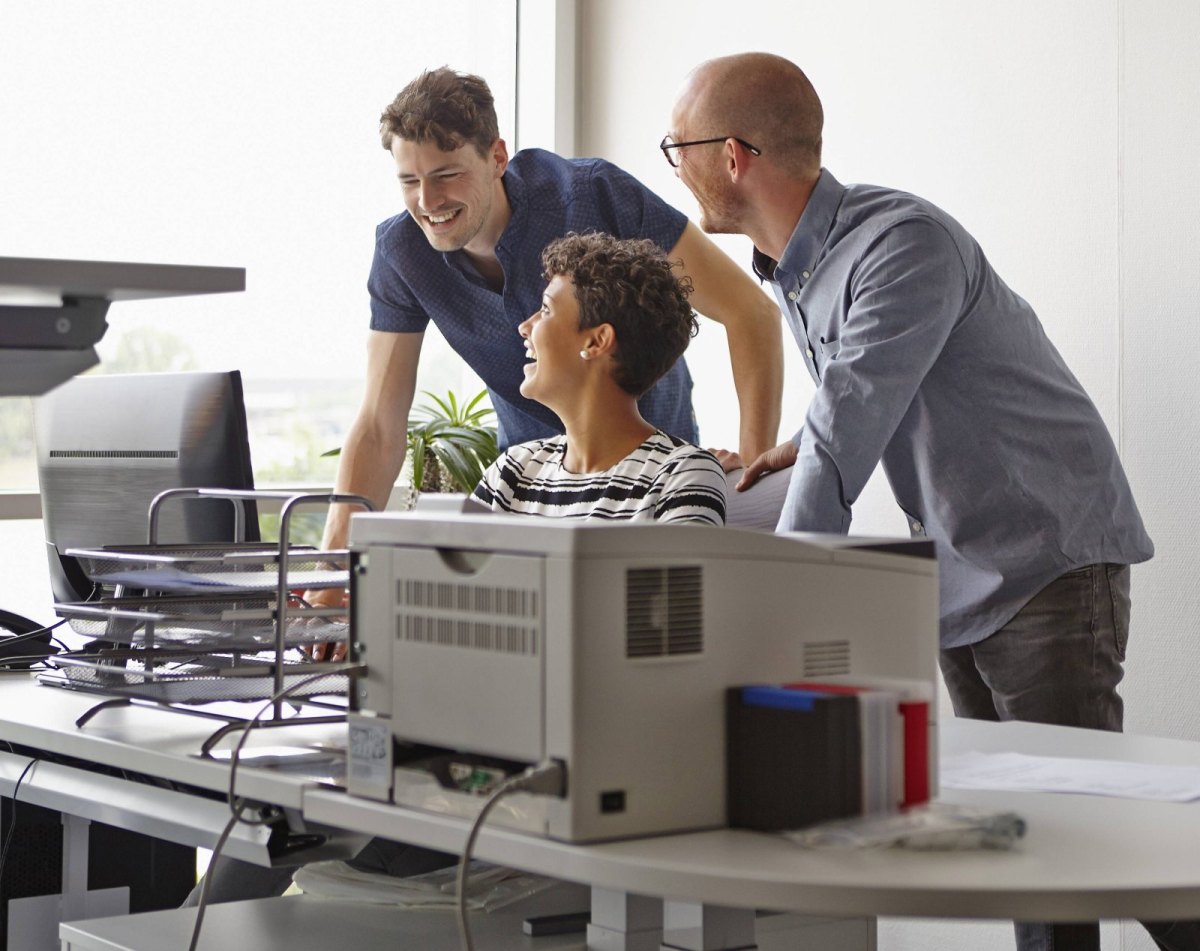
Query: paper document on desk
point(1016, 772)
point(489, 887)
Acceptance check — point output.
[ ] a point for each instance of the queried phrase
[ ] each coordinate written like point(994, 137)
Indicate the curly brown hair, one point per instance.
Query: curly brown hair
point(442, 106)
point(628, 284)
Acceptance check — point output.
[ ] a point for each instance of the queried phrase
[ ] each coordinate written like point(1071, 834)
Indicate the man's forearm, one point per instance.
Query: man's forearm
point(725, 293)
point(368, 469)
point(756, 356)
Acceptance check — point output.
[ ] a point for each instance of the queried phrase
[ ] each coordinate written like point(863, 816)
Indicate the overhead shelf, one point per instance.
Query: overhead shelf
point(46, 342)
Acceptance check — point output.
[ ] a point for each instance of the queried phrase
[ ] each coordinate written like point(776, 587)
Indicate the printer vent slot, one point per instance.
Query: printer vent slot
point(826, 658)
point(664, 614)
point(469, 598)
point(114, 454)
point(477, 617)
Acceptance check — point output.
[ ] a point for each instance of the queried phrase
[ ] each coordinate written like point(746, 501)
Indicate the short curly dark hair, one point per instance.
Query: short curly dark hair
point(627, 283)
point(442, 106)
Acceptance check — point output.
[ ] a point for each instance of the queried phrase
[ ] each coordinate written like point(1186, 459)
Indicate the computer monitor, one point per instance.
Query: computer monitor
point(107, 445)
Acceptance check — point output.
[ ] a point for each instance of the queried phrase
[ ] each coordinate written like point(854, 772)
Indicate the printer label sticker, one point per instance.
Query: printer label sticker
point(369, 758)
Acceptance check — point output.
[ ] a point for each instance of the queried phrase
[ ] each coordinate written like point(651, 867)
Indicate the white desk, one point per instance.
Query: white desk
point(154, 743)
point(146, 740)
point(1083, 857)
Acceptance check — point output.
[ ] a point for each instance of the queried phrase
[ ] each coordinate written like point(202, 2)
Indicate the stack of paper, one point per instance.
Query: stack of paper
point(1017, 772)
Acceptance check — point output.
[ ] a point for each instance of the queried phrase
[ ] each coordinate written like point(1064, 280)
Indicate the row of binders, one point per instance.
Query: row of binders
point(802, 753)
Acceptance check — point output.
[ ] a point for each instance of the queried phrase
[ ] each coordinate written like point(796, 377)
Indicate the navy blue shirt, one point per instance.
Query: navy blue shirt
point(411, 283)
point(926, 360)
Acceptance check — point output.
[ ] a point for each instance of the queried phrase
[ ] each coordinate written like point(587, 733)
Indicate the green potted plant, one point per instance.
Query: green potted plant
point(450, 444)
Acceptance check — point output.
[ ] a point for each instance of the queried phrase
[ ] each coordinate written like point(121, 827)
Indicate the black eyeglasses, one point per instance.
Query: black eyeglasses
point(673, 160)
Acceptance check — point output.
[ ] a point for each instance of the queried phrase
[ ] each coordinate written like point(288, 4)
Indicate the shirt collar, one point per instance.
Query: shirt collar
point(514, 188)
point(803, 249)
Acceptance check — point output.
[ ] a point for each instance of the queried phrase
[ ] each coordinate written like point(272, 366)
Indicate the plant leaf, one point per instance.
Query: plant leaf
point(459, 435)
point(458, 464)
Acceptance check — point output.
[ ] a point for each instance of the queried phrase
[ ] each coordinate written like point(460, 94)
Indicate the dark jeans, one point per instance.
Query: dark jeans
point(1058, 661)
point(235, 880)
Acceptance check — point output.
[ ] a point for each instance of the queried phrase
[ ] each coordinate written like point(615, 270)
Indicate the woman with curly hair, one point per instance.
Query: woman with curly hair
point(613, 320)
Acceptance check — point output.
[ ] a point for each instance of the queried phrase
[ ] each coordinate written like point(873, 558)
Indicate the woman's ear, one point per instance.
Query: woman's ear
point(601, 340)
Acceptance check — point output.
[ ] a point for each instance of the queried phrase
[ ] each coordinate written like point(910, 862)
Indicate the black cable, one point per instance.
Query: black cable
point(24, 659)
point(26, 635)
point(38, 632)
point(235, 757)
point(203, 902)
point(548, 778)
point(237, 809)
point(13, 823)
point(40, 638)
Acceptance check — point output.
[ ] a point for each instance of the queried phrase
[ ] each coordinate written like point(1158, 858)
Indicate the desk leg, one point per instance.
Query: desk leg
point(74, 867)
point(692, 926)
point(33, 922)
point(624, 922)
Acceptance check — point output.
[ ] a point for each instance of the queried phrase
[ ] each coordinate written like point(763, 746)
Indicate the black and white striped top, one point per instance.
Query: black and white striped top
point(664, 479)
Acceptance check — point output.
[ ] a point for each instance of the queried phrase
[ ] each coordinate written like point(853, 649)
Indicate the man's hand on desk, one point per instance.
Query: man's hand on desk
point(334, 651)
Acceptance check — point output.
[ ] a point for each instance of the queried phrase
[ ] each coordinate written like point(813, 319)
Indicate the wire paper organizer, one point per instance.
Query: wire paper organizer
point(188, 625)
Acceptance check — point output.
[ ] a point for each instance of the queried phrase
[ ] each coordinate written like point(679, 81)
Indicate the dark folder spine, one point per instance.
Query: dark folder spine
point(791, 763)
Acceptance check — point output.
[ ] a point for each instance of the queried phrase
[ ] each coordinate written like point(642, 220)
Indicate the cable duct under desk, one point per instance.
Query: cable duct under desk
point(171, 814)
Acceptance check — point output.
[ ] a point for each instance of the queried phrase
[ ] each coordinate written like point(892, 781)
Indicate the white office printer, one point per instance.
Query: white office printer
point(494, 642)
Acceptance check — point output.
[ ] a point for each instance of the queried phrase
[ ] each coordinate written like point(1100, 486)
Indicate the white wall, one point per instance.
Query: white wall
point(1007, 121)
point(1159, 226)
point(1065, 136)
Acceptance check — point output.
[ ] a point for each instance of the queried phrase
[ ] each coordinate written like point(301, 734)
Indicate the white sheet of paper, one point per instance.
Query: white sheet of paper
point(1017, 772)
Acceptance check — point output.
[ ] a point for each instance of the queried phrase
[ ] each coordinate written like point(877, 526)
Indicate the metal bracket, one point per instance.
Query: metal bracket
point(78, 324)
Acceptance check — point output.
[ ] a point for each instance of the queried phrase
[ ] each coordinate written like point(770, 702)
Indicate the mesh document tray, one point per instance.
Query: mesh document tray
point(185, 678)
point(245, 623)
point(212, 569)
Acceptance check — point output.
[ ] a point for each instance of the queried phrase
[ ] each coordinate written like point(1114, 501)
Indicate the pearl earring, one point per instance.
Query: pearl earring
point(584, 355)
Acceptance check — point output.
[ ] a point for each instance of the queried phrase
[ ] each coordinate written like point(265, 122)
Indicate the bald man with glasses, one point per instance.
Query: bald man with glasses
point(924, 360)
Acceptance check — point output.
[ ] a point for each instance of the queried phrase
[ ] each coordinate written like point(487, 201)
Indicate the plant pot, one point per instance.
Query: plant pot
point(435, 477)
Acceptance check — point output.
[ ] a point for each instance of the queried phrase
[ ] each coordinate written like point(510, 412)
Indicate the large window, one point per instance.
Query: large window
point(229, 133)
point(241, 133)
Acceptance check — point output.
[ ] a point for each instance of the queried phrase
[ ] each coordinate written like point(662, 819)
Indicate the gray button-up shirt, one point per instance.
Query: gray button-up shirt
point(924, 358)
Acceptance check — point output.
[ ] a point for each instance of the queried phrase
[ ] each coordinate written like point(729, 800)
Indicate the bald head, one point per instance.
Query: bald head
point(764, 99)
